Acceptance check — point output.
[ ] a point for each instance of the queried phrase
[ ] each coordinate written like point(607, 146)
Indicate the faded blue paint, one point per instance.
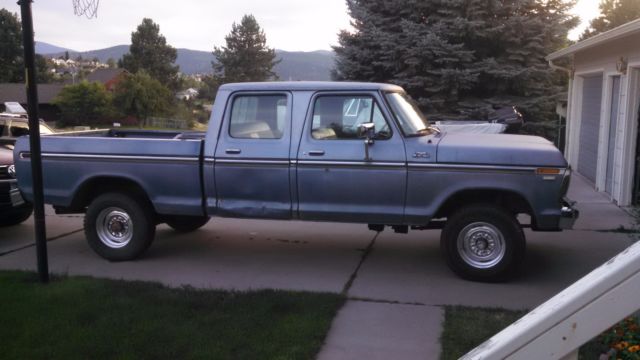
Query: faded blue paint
point(405, 181)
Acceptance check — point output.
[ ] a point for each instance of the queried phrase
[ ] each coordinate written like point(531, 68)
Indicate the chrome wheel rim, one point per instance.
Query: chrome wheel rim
point(114, 227)
point(481, 245)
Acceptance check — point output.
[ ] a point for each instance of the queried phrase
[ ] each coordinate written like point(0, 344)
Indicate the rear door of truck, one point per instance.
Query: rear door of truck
point(252, 156)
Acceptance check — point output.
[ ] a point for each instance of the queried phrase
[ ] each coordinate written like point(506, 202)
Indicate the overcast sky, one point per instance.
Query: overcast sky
point(294, 25)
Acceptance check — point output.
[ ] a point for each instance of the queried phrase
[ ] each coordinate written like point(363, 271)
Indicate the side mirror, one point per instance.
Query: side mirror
point(367, 131)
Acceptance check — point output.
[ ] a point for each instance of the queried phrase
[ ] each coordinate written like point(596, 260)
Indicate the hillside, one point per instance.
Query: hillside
point(46, 48)
point(295, 65)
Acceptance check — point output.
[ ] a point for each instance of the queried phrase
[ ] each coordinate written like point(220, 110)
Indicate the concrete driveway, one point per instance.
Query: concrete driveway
point(396, 283)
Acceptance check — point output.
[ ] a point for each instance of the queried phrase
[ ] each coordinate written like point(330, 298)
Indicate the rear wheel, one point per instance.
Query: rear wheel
point(119, 227)
point(187, 223)
point(483, 242)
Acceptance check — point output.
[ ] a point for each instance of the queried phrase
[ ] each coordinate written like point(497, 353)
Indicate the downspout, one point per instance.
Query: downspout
point(570, 72)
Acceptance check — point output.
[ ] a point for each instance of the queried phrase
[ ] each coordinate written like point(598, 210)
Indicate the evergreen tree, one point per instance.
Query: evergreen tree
point(458, 58)
point(613, 13)
point(11, 53)
point(150, 52)
point(246, 56)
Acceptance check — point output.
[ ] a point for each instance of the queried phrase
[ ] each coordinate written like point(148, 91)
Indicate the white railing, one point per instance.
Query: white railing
point(557, 328)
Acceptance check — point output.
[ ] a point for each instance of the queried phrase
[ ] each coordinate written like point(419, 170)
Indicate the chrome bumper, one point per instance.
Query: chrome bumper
point(568, 214)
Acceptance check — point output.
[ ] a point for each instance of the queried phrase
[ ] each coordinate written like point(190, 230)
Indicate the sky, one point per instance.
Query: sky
point(293, 25)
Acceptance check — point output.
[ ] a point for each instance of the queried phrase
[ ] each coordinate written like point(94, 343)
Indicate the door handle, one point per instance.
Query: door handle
point(233, 151)
point(316, 152)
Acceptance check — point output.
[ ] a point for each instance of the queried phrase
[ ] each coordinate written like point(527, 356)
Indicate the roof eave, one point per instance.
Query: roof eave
point(616, 33)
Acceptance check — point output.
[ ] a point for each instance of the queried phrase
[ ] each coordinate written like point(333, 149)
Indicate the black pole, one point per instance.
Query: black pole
point(34, 138)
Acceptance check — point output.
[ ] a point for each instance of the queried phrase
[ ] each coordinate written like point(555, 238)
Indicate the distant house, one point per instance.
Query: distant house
point(109, 77)
point(188, 94)
point(11, 92)
point(603, 110)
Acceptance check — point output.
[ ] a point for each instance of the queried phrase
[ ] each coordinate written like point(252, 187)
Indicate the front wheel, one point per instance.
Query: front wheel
point(119, 227)
point(483, 242)
point(16, 216)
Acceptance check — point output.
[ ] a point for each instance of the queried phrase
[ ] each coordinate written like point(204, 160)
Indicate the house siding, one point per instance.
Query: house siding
point(601, 60)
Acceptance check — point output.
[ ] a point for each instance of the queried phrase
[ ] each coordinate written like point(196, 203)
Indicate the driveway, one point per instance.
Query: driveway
point(396, 283)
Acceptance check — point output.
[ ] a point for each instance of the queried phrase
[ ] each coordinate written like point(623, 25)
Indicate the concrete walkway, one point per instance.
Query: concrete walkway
point(396, 283)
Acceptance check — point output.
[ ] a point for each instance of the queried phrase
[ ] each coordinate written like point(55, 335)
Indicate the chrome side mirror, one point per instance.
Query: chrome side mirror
point(367, 131)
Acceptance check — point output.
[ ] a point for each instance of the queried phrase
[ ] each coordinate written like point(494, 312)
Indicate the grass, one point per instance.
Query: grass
point(467, 327)
point(81, 317)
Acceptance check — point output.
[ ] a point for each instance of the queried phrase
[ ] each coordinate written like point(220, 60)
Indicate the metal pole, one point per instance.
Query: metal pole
point(34, 139)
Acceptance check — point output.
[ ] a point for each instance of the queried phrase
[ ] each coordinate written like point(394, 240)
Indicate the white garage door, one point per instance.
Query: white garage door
point(590, 127)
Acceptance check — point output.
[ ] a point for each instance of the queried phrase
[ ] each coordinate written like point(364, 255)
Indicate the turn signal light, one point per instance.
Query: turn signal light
point(547, 171)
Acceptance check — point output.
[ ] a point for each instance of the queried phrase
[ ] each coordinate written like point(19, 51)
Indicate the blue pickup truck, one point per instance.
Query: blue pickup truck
point(317, 151)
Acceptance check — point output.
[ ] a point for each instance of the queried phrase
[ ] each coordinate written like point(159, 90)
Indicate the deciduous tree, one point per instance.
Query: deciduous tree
point(613, 13)
point(142, 96)
point(84, 104)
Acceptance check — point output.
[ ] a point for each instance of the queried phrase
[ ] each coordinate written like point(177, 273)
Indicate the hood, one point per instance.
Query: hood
point(6, 155)
point(499, 149)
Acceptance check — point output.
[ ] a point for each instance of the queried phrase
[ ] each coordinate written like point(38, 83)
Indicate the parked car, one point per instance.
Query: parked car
point(317, 151)
point(13, 208)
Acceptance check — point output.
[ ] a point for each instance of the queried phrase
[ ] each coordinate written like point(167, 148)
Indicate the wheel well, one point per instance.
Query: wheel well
point(512, 201)
point(95, 187)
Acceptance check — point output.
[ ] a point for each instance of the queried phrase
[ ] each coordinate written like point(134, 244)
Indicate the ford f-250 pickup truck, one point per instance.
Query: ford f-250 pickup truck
point(318, 151)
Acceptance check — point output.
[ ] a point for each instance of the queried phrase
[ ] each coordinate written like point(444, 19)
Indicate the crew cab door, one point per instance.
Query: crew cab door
point(252, 156)
point(336, 182)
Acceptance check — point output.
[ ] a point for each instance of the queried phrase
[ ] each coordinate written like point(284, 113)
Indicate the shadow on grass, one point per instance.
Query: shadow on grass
point(82, 317)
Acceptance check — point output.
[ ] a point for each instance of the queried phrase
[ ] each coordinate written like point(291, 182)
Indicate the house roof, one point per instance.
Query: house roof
point(621, 31)
point(104, 75)
point(16, 92)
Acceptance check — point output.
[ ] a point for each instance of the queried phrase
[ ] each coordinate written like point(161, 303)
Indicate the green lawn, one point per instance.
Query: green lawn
point(87, 318)
point(467, 327)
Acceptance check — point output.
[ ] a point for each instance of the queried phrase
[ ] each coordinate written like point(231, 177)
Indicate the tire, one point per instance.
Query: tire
point(16, 216)
point(483, 242)
point(119, 227)
point(187, 224)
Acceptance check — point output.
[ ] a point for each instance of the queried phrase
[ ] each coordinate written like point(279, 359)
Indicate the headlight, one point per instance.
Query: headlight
point(11, 170)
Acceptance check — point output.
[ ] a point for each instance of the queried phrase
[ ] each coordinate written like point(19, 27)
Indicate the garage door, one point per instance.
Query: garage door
point(590, 127)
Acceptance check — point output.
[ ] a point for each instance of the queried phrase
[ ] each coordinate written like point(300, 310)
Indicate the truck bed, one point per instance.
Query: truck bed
point(75, 161)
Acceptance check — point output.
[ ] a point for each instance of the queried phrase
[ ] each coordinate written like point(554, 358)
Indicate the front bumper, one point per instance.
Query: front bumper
point(568, 214)
point(10, 196)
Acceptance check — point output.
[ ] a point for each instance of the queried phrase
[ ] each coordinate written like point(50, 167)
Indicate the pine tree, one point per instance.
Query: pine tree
point(150, 52)
point(458, 58)
point(246, 56)
point(11, 53)
point(613, 13)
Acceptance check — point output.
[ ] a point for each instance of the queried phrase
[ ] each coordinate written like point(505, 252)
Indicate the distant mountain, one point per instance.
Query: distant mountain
point(44, 48)
point(295, 65)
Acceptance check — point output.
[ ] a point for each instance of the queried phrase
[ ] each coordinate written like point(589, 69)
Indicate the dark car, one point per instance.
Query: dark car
point(13, 208)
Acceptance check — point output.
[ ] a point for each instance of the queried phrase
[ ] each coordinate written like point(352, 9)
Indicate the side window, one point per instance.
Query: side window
point(258, 116)
point(19, 129)
point(338, 117)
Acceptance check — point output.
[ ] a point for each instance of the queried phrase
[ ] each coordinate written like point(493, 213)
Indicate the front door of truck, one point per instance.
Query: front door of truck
point(252, 156)
point(336, 181)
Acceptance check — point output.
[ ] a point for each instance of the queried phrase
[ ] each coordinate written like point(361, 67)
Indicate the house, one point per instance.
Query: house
point(603, 110)
point(188, 94)
point(16, 92)
point(109, 77)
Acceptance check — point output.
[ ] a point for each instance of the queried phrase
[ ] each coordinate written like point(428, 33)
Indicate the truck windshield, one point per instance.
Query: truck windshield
point(412, 121)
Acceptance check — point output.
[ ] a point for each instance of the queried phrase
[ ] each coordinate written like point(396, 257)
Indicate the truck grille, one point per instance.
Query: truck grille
point(4, 174)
